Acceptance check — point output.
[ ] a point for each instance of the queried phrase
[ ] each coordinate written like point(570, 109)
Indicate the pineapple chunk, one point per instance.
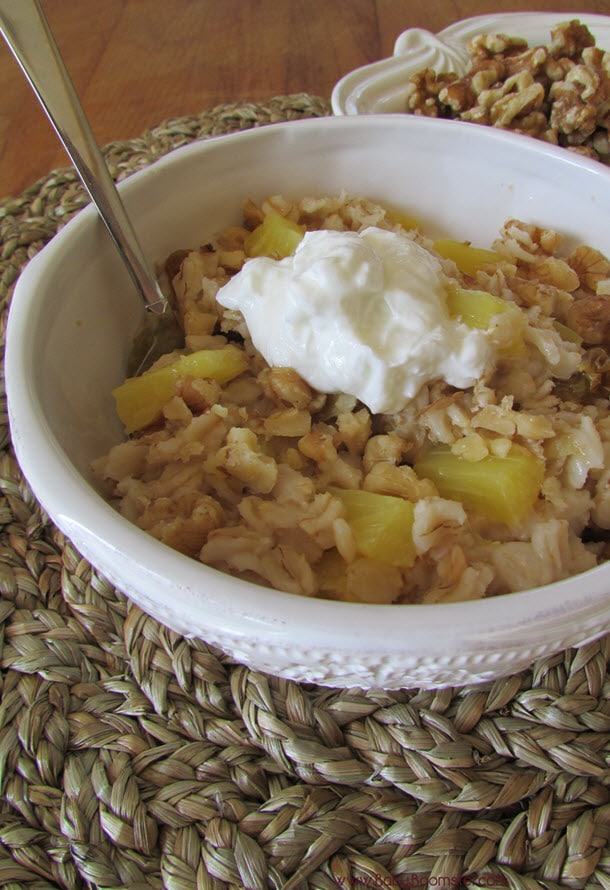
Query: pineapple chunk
point(382, 525)
point(567, 334)
point(500, 489)
point(140, 400)
point(361, 581)
point(476, 308)
point(276, 237)
point(399, 217)
point(467, 258)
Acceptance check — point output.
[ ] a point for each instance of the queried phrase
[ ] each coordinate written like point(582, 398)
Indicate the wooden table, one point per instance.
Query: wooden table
point(137, 62)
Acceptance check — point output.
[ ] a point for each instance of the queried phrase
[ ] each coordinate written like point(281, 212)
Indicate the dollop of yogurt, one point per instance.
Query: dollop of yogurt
point(358, 313)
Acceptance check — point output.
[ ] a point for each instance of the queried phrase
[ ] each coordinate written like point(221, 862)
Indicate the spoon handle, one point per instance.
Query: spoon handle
point(26, 30)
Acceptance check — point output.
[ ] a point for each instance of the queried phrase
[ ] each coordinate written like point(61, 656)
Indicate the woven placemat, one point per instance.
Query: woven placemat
point(131, 757)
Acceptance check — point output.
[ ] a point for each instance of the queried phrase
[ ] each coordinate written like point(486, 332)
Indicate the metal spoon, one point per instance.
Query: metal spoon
point(28, 35)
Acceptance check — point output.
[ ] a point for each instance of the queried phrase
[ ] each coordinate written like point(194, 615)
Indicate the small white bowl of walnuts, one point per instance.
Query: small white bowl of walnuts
point(541, 74)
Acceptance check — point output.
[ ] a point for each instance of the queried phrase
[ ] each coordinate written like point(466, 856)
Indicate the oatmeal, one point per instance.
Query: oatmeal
point(462, 492)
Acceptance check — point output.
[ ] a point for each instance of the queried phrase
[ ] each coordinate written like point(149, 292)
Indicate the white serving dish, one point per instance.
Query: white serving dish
point(73, 316)
point(381, 87)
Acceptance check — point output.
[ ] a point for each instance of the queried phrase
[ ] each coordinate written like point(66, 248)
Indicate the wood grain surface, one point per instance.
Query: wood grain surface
point(136, 63)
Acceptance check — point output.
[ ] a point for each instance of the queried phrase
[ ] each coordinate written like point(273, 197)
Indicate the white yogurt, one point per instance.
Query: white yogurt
point(359, 313)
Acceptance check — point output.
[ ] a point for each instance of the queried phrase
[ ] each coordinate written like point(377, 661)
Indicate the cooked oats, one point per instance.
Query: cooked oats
point(273, 482)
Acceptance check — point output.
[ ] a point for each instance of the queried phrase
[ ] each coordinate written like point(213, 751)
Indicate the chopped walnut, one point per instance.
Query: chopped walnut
point(590, 317)
point(534, 123)
point(570, 38)
point(402, 481)
point(387, 448)
point(318, 444)
point(182, 523)
point(355, 429)
point(484, 78)
point(485, 46)
point(287, 422)
point(600, 145)
point(458, 95)
point(555, 272)
point(526, 242)
point(557, 69)
point(570, 115)
point(590, 265)
point(477, 115)
point(284, 386)
point(508, 108)
point(531, 61)
point(423, 92)
point(200, 394)
point(241, 459)
point(558, 93)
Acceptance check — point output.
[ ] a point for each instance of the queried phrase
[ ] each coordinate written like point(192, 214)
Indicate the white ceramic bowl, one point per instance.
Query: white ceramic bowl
point(70, 327)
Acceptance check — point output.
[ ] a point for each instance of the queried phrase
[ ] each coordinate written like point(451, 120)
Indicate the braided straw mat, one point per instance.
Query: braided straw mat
point(131, 757)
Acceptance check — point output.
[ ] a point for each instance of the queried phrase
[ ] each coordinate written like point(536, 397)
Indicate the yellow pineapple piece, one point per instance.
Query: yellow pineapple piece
point(567, 334)
point(382, 525)
point(276, 237)
point(500, 489)
point(140, 400)
point(467, 258)
point(403, 219)
point(476, 308)
point(361, 581)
